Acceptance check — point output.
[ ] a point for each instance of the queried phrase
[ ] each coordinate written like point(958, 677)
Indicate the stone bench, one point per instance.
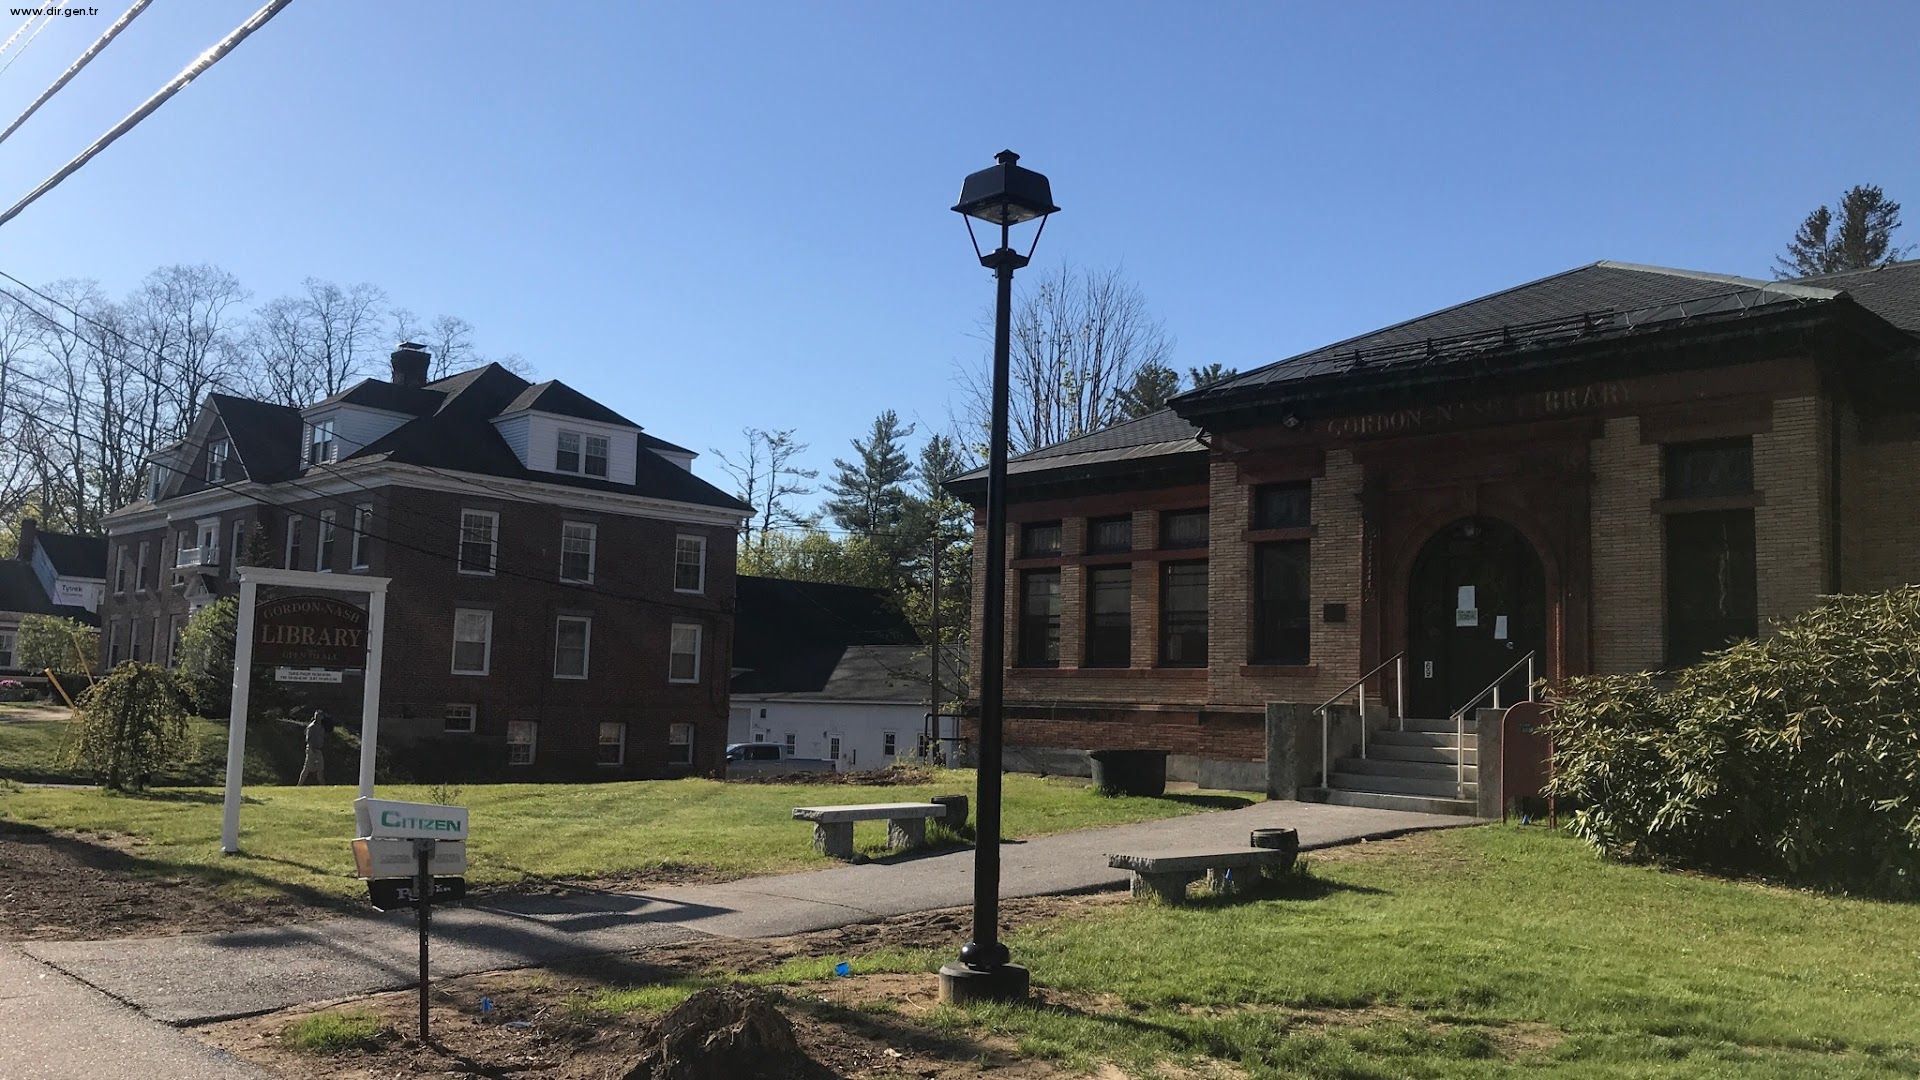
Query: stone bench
point(833, 825)
point(1167, 874)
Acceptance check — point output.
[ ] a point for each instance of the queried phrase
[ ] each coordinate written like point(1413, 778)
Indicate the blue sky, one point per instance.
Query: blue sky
point(714, 215)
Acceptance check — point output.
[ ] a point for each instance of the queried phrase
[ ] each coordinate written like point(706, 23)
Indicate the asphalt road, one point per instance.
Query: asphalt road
point(197, 978)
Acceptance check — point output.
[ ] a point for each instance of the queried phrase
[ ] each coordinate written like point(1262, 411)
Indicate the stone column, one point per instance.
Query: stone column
point(1283, 737)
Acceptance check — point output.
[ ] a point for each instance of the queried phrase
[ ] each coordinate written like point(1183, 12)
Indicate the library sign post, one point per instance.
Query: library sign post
point(308, 638)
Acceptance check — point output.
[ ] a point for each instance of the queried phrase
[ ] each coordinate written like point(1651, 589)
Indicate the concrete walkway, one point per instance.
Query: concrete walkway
point(192, 979)
point(53, 1028)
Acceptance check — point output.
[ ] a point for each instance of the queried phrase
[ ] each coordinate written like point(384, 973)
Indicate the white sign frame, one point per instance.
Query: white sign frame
point(251, 578)
point(367, 814)
point(373, 854)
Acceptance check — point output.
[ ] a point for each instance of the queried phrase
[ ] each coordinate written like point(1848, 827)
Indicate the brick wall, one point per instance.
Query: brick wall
point(1629, 614)
point(632, 605)
point(1792, 528)
point(1880, 480)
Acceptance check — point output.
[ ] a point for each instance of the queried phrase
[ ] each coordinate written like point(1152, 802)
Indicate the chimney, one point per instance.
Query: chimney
point(410, 362)
point(29, 532)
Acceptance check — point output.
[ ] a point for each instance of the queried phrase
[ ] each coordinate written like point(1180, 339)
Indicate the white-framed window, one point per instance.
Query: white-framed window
point(209, 542)
point(460, 719)
point(889, 743)
point(479, 541)
point(679, 744)
point(176, 625)
point(362, 521)
point(323, 556)
point(791, 742)
point(689, 564)
point(522, 738)
point(578, 543)
point(572, 640)
point(239, 549)
point(156, 480)
point(578, 452)
point(116, 643)
point(683, 657)
point(140, 570)
point(613, 743)
point(120, 571)
point(833, 746)
point(6, 648)
point(322, 449)
point(472, 641)
point(292, 561)
point(137, 640)
point(217, 453)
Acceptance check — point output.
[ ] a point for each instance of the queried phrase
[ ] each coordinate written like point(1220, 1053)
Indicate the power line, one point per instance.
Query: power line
point(30, 37)
point(73, 69)
point(15, 36)
point(179, 82)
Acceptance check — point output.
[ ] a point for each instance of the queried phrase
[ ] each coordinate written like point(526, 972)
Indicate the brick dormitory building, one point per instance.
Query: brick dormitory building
point(562, 583)
point(1617, 468)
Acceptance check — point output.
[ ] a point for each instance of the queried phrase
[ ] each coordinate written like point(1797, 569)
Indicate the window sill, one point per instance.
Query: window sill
point(1279, 671)
point(683, 682)
point(576, 581)
point(471, 674)
point(691, 592)
point(569, 678)
point(1266, 536)
point(477, 573)
point(1716, 502)
point(1115, 672)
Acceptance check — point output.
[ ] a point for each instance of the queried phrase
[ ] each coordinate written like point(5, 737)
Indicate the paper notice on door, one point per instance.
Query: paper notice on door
point(1466, 617)
point(1466, 598)
point(1499, 628)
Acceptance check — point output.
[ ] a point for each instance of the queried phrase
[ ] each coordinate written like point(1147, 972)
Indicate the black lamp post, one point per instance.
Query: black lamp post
point(1004, 195)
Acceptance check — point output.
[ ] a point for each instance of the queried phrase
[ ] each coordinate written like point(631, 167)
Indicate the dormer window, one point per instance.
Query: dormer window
point(322, 448)
point(581, 453)
point(217, 453)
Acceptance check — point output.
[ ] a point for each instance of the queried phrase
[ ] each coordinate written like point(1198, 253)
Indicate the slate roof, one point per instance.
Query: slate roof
point(74, 556)
point(20, 591)
point(378, 394)
point(1891, 292)
point(1156, 434)
point(1610, 293)
point(793, 636)
point(458, 436)
point(265, 437)
point(560, 399)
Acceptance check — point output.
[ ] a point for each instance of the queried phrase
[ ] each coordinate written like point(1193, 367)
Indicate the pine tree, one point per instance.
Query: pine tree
point(1152, 386)
point(1206, 376)
point(869, 493)
point(1863, 241)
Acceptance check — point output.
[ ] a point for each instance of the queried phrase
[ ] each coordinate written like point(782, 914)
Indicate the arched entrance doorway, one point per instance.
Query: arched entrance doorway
point(1476, 604)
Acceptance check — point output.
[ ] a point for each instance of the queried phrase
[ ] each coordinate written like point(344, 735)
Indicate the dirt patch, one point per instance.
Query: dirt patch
point(542, 1023)
point(56, 886)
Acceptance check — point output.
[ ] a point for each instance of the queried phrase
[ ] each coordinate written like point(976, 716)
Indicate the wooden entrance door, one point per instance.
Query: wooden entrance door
point(1476, 604)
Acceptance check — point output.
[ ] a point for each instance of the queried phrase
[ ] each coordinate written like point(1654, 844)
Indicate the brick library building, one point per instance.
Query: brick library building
point(1618, 468)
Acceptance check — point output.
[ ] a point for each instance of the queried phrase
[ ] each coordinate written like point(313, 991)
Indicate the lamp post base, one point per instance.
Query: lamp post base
point(960, 984)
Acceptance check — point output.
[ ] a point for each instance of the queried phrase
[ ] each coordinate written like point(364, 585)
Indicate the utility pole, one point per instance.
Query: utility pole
point(933, 651)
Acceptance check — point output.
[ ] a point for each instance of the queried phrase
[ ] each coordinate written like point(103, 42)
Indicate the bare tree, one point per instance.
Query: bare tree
point(183, 317)
point(1079, 337)
point(766, 478)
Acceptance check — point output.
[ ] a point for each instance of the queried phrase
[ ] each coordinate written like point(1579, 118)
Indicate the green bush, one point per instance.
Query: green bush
point(1796, 757)
point(205, 661)
point(133, 723)
point(49, 641)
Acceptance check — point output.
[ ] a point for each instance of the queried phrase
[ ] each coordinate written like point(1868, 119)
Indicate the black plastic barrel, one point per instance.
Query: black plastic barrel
point(1129, 772)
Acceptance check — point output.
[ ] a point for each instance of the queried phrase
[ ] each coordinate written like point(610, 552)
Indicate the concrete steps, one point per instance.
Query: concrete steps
point(1379, 800)
point(1416, 769)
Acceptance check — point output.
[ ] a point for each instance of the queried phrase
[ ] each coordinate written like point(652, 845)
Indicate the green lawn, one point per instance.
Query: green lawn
point(297, 837)
point(35, 740)
point(1477, 952)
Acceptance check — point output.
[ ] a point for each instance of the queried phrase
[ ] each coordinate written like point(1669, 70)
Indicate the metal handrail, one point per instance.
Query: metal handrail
point(1398, 660)
point(1459, 717)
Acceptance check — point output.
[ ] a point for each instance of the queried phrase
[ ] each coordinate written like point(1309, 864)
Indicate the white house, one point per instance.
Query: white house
point(53, 574)
point(833, 672)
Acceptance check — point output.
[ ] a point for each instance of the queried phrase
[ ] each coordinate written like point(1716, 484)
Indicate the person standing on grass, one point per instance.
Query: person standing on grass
point(315, 764)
